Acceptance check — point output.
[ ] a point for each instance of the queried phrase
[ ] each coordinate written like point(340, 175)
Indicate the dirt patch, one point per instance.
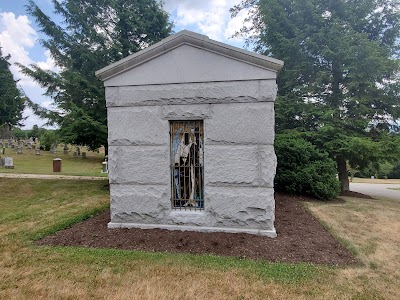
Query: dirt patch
point(301, 238)
point(354, 194)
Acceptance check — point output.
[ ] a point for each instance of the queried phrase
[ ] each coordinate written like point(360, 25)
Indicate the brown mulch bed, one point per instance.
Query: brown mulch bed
point(355, 194)
point(301, 238)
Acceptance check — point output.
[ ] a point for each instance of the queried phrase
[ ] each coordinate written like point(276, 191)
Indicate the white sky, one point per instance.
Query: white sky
point(18, 36)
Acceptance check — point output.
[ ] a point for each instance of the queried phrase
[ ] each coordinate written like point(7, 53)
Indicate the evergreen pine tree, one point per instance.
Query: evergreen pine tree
point(92, 35)
point(12, 102)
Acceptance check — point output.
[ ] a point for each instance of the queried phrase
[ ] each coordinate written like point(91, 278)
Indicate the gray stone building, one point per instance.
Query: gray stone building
point(191, 133)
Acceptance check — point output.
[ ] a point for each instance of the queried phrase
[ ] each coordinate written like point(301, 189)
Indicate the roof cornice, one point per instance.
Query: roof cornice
point(190, 38)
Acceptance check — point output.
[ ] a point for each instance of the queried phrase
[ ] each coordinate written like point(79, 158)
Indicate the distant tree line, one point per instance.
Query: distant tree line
point(47, 137)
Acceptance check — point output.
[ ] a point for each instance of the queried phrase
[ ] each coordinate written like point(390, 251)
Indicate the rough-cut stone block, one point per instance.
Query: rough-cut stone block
point(193, 93)
point(187, 112)
point(111, 93)
point(225, 165)
point(241, 207)
point(191, 218)
point(139, 203)
point(268, 163)
point(137, 126)
point(225, 207)
point(241, 123)
point(139, 164)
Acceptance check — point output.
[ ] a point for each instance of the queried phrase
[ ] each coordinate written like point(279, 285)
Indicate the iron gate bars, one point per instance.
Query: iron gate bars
point(187, 171)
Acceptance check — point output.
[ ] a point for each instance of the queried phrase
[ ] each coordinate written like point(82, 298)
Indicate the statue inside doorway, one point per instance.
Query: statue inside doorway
point(187, 155)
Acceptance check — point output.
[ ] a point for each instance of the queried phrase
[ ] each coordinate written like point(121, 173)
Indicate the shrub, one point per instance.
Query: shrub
point(48, 139)
point(303, 169)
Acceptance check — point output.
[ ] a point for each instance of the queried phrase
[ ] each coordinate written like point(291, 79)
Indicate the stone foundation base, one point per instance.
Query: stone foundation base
point(268, 233)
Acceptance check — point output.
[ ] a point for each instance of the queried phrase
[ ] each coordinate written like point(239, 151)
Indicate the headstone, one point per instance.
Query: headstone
point(29, 145)
point(1, 145)
point(78, 150)
point(105, 167)
point(12, 146)
point(75, 154)
point(84, 155)
point(19, 150)
point(37, 151)
point(372, 177)
point(8, 163)
point(6, 145)
point(53, 148)
point(66, 149)
point(1, 162)
point(57, 165)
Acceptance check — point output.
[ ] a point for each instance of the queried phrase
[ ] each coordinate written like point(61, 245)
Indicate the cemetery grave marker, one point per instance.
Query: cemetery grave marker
point(8, 162)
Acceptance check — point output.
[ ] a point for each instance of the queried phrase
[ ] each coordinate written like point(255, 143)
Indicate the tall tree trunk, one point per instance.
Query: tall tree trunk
point(342, 172)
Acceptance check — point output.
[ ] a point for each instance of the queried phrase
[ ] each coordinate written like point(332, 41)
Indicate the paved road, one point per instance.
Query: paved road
point(41, 176)
point(377, 190)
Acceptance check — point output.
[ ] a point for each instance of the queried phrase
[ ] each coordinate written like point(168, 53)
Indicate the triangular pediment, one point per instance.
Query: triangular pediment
point(189, 57)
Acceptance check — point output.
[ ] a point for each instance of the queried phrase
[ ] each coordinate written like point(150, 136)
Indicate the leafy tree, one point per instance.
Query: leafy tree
point(382, 169)
point(395, 173)
point(36, 131)
point(92, 35)
point(80, 128)
point(18, 133)
point(12, 102)
point(385, 169)
point(49, 139)
point(352, 171)
point(369, 170)
point(340, 80)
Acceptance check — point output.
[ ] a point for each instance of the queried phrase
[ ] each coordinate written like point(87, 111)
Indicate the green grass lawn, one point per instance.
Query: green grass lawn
point(32, 208)
point(376, 181)
point(29, 163)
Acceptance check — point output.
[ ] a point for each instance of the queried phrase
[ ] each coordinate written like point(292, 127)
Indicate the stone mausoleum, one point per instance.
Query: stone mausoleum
point(191, 134)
